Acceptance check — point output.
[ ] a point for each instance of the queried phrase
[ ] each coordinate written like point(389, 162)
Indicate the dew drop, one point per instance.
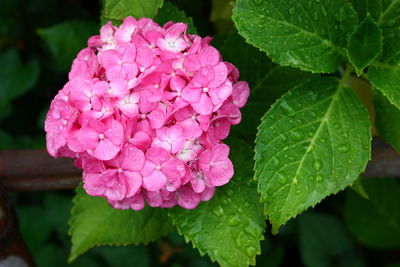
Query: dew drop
point(251, 251)
point(252, 230)
point(288, 109)
point(344, 148)
point(317, 165)
point(233, 220)
point(296, 135)
point(239, 241)
point(218, 211)
point(275, 162)
point(226, 201)
point(281, 179)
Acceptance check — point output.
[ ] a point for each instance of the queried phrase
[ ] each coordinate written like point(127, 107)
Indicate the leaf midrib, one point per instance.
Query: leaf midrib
point(324, 120)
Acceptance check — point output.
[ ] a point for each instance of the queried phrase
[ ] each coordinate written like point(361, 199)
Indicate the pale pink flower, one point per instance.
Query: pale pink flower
point(119, 64)
point(102, 140)
point(215, 164)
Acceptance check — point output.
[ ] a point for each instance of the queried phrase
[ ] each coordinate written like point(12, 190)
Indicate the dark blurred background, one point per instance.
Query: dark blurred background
point(38, 41)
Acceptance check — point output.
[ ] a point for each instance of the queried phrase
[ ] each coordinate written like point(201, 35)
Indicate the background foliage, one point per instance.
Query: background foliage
point(39, 39)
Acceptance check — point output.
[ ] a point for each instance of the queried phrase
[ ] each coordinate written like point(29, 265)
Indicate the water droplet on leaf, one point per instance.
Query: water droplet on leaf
point(275, 162)
point(218, 211)
point(281, 179)
point(296, 135)
point(344, 148)
point(233, 220)
point(317, 165)
point(250, 251)
point(288, 109)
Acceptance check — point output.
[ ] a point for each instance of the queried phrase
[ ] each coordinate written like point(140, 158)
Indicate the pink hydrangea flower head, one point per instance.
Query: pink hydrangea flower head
point(144, 114)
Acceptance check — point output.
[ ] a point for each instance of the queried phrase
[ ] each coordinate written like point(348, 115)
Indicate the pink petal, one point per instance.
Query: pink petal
point(221, 73)
point(187, 198)
point(109, 58)
point(219, 152)
point(240, 93)
point(105, 150)
point(132, 159)
point(115, 133)
point(154, 181)
point(220, 173)
point(208, 56)
point(88, 137)
point(191, 95)
point(204, 106)
point(191, 63)
point(141, 140)
point(133, 181)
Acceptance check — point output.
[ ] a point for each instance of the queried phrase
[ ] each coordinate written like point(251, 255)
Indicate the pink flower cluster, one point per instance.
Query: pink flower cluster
point(144, 113)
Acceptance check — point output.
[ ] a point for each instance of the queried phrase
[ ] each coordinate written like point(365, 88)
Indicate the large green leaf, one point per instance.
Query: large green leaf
point(313, 142)
point(267, 81)
point(94, 222)
point(66, 39)
point(324, 239)
point(365, 44)
point(16, 78)
point(228, 227)
point(376, 222)
point(307, 34)
point(119, 9)
point(387, 119)
point(169, 12)
point(384, 74)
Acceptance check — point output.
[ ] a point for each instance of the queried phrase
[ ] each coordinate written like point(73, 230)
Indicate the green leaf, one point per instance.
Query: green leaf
point(169, 12)
point(16, 78)
point(384, 74)
point(376, 222)
point(310, 35)
point(313, 142)
point(358, 187)
point(267, 81)
point(385, 12)
point(365, 44)
point(228, 227)
point(94, 222)
point(66, 39)
point(119, 9)
point(387, 119)
point(323, 240)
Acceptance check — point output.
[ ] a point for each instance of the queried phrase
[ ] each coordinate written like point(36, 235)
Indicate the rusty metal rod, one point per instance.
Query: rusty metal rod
point(35, 170)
